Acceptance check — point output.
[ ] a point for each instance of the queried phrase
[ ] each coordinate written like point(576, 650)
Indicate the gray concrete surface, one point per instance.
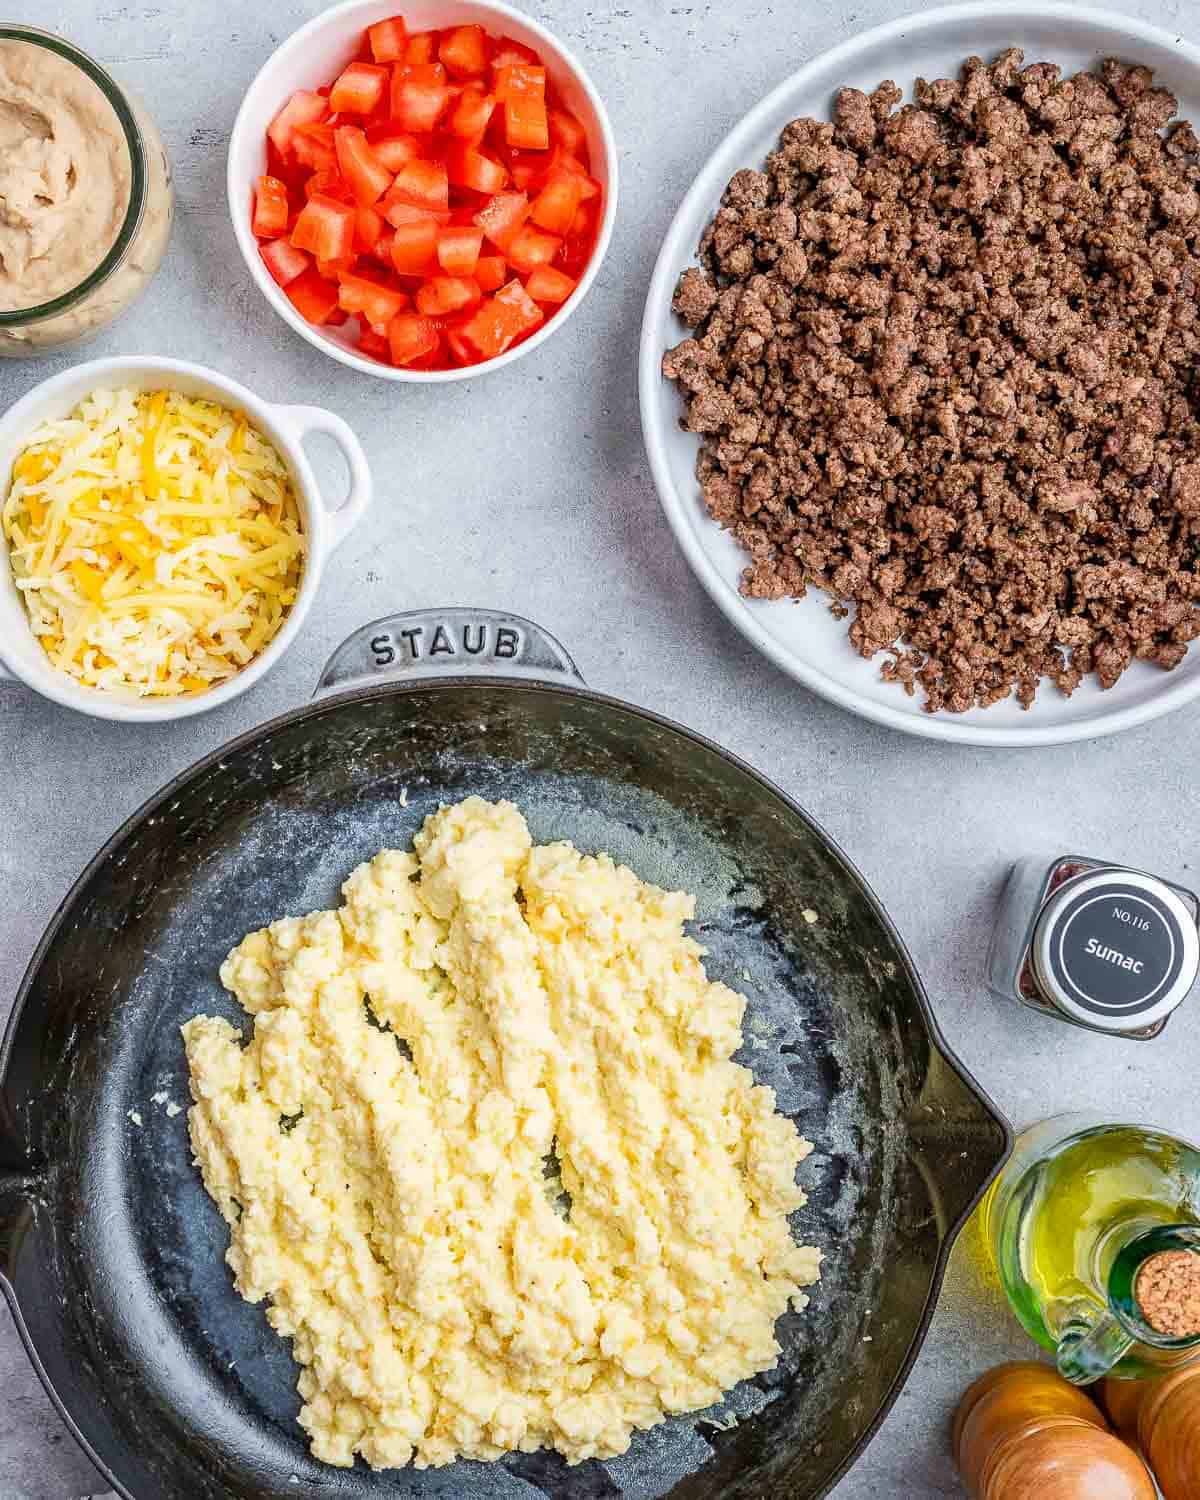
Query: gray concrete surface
point(529, 491)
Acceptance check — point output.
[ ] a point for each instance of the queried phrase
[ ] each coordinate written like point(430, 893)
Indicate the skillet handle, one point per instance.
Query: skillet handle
point(432, 643)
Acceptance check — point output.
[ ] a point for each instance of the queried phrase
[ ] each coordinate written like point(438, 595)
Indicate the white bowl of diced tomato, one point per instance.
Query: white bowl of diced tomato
point(427, 194)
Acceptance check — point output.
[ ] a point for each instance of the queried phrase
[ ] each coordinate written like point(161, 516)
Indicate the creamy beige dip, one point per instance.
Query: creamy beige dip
point(64, 175)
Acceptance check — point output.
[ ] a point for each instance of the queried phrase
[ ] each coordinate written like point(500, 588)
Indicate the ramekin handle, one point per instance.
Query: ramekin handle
point(304, 420)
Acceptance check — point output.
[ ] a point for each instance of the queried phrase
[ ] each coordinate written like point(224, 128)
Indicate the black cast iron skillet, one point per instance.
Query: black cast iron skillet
point(111, 1253)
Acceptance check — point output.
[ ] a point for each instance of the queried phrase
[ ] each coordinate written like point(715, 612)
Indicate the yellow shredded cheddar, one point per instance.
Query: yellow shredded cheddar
point(90, 581)
point(154, 416)
point(155, 539)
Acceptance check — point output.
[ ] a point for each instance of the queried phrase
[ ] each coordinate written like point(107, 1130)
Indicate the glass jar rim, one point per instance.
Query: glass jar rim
point(137, 174)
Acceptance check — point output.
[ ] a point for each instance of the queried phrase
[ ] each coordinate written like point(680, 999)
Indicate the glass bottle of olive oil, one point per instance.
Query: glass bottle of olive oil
point(1095, 1229)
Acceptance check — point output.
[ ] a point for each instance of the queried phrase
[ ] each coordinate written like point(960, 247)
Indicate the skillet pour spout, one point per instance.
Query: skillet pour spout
point(16, 1210)
point(114, 1260)
point(952, 1141)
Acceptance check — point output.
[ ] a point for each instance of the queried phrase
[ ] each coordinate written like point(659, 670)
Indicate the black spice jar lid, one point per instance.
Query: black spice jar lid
point(1115, 949)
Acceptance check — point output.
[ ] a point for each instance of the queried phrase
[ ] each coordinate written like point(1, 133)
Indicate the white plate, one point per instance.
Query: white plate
point(803, 638)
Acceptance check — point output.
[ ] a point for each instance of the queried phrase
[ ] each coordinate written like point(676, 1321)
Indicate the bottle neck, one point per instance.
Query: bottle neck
point(1153, 1300)
point(1154, 1286)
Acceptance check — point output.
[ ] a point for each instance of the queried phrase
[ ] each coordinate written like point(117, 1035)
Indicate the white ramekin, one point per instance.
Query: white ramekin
point(286, 426)
point(313, 56)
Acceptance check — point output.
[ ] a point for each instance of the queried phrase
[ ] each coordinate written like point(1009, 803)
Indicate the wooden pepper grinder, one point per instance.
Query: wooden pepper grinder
point(1022, 1432)
point(1163, 1417)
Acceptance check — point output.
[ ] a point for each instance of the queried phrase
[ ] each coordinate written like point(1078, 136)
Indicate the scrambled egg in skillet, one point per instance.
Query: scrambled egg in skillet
point(488, 1157)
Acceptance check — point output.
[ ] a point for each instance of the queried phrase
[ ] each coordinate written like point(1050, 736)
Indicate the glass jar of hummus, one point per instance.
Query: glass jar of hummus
point(85, 195)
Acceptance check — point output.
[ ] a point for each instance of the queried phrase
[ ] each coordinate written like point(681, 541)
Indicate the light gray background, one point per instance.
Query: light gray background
point(528, 490)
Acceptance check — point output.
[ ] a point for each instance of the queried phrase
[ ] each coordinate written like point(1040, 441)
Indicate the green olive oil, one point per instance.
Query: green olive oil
point(1069, 1220)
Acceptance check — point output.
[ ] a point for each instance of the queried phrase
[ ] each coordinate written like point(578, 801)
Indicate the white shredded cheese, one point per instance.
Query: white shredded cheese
point(155, 539)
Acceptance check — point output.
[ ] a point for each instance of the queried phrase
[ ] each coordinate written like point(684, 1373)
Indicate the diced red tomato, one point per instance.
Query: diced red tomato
point(508, 51)
point(458, 249)
point(460, 350)
point(271, 207)
point(532, 248)
point(286, 168)
point(371, 300)
point(332, 184)
point(582, 224)
point(410, 337)
point(556, 205)
point(359, 89)
point(528, 169)
point(388, 39)
point(528, 313)
point(373, 345)
point(325, 228)
point(579, 244)
point(419, 95)
point(334, 270)
point(519, 80)
point(521, 88)
point(561, 160)
point(383, 246)
point(284, 261)
point(366, 175)
point(447, 294)
point(303, 108)
point(490, 271)
point(464, 51)
point(313, 146)
point(489, 330)
point(383, 189)
point(502, 217)
point(422, 48)
point(468, 167)
point(526, 123)
point(314, 298)
point(368, 228)
point(548, 285)
point(418, 184)
point(393, 147)
point(417, 71)
point(500, 320)
point(566, 131)
point(413, 246)
point(471, 113)
point(408, 213)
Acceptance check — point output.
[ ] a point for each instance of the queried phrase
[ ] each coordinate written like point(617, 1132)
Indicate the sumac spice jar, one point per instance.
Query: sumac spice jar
point(1100, 945)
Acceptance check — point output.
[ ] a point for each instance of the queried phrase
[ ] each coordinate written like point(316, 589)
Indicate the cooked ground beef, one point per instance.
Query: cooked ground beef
point(944, 367)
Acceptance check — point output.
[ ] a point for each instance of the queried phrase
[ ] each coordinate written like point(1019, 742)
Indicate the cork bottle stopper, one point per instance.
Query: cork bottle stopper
point(1167, 1291)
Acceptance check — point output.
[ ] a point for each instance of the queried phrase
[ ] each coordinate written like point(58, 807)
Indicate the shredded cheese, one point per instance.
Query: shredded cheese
point(155, 540)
